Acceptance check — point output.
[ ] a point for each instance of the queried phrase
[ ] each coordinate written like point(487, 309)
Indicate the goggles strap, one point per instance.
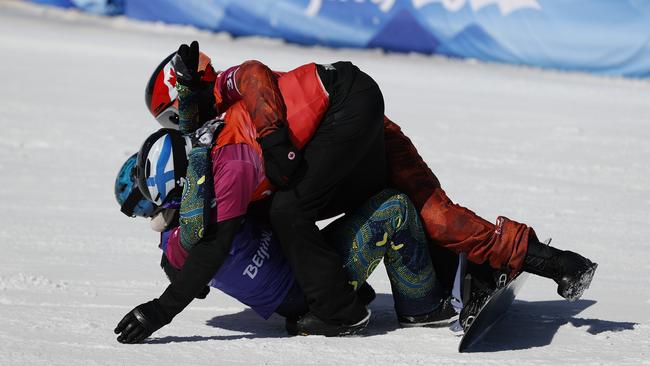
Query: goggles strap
point(131, 202)
point(178, 153)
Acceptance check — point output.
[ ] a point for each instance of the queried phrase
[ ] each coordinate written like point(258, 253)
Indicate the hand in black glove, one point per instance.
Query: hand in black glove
point(281, 158)
point(173, 273)
point(141, 322)
point(186, 64)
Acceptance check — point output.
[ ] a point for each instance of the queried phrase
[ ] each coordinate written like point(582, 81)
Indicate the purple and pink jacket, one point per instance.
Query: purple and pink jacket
point(255, 271)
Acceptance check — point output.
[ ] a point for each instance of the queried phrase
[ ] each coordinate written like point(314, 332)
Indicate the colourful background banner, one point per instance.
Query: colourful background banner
point(609, 37)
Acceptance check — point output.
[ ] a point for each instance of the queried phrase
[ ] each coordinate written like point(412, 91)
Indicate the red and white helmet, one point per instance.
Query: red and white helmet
point(160, 94)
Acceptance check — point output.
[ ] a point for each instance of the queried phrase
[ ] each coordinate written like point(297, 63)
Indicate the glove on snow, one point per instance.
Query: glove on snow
point(172, 274)
point(186, 64)
point(281, 158)
point(141, 322)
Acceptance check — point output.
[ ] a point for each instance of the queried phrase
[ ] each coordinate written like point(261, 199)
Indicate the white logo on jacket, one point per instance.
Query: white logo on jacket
point(259, 257)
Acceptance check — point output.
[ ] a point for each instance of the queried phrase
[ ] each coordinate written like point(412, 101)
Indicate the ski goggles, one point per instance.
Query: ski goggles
point(136, 204)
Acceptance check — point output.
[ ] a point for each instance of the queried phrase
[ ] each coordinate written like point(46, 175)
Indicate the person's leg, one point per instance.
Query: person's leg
point(294, 305)
point(408, 173)
point(349, 132)
point(505, 246)
point(387, 227)
point(447, 224)
point(445, 263)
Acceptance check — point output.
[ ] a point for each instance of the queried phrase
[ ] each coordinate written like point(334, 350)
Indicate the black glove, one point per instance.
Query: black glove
point(172, 274)
point(186, 65)
point(281, 158)
point(141, 322)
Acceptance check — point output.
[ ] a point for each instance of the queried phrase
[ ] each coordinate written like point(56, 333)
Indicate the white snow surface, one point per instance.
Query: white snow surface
point(566, 153)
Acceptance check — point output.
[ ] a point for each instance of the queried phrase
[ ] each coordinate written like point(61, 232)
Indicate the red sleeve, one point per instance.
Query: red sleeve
point(237, 170)
point(260, 93)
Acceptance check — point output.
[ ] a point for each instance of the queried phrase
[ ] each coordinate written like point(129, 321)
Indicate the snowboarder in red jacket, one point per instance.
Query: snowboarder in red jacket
point(354, 152)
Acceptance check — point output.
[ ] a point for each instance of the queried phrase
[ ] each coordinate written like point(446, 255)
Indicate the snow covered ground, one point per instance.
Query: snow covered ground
point(568, 154)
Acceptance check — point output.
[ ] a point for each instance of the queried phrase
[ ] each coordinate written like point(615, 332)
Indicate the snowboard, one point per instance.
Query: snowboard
point(494, 308)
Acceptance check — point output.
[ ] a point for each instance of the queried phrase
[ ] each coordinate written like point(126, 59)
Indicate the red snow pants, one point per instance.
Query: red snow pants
point(447, 224)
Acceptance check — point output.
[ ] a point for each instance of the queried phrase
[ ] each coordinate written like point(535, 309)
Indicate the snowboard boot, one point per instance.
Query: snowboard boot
point(365, 293)
point(310, 324)
point(442, 316)
point(571, 271)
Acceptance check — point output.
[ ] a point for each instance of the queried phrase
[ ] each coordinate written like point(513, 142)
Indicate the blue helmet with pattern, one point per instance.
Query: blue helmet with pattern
point(132, 202)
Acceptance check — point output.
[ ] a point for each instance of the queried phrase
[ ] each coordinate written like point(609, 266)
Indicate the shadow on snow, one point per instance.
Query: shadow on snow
point(526, 325)
point(535, 323)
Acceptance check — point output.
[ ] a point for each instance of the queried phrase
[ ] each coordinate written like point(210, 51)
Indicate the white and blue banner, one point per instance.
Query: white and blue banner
point(102, 7)
point(601, 36)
